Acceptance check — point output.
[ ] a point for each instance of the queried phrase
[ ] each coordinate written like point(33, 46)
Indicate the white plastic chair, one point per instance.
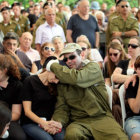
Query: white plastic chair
point(121, 97)
point(109, 91)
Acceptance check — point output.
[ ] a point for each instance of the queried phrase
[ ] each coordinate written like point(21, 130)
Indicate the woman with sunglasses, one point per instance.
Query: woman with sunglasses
point(125, 68)
point(47, 49)
point(59, 45)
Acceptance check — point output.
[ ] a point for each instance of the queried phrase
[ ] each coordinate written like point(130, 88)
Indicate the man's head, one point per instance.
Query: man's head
point(124, 7)
point(134, 10)
point(37, 9)
point(16, 9)
point(83, 7)
point(50, 16)
point(72, 55)
point(11, 41)
point(6, 14)
point(26, 41)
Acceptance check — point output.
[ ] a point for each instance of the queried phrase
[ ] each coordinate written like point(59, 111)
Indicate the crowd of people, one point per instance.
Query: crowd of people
point(55, 63)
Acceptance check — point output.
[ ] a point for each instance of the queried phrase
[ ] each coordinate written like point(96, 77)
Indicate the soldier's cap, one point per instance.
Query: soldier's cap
point(70, 47)
point(46, 4)
point(5, 8)
point(15, 4)
point(11, 35)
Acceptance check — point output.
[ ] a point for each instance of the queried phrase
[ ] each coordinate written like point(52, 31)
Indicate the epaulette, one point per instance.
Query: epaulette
point(133, 17)
point(115, 17)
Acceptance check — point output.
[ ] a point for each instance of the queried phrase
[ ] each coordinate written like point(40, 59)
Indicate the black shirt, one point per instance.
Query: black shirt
point(131, 92)
point(11, 93)
point(43, 102)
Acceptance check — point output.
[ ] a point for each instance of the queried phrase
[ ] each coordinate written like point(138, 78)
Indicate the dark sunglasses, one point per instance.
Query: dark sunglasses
point(115, 54)
point(47, 48)
point(83, 48)
point(70, 58)
point(123, 6)
point(133, 46)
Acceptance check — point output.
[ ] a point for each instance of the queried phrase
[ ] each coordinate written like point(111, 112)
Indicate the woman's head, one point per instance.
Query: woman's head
point(47, 49)
point(58, 43)
point(115, 52)
point(85, 45)
point(5, 118)
point(134, 46)
point(8, 67)
point(138, 15)
point(117, 40)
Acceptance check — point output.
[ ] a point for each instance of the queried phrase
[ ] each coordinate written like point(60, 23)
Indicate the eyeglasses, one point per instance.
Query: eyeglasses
point(83, 48)
point(115, 54)
point(123, 6)
point(47, 48)
point(70, 58)
point(134, 46)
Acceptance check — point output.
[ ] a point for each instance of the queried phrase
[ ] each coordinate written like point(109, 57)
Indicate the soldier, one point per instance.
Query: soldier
point(124, 25)
point(8, 25)
point(21, 20)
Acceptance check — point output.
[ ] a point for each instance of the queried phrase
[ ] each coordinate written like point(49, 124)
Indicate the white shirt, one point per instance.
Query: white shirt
point(45, 33)
point(95, 55)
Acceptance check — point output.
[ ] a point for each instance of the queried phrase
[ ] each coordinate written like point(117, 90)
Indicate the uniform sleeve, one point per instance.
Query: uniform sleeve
point(89, 75)
point(61, 113)
point(114, 26)
point(135, 26)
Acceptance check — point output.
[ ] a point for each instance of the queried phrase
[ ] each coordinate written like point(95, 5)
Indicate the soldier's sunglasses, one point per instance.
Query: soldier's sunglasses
point(124, 6)
point(71, 57)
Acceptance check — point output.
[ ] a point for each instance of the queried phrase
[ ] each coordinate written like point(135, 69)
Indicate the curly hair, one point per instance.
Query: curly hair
point(6, 62)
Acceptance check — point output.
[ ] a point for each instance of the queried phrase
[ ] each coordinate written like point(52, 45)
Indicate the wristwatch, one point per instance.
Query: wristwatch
point(123, 34)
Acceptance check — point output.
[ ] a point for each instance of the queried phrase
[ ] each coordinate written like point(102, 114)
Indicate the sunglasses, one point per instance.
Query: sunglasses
point(115, 54)
point(83, 48)
point(47, 48)
point(123, 6)
point(70, 58)
point(132, 46)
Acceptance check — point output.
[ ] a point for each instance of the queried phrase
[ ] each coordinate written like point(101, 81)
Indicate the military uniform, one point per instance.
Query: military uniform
point(10, 27)
point(108, 34)
point(82, 104)
point(23, 22)
point(118, 24)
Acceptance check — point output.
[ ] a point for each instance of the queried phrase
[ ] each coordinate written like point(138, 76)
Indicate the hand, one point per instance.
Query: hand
point(130, 79)
point(117, 34)
point(52, 78)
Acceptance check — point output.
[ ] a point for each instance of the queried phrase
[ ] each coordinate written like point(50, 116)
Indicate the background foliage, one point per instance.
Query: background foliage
point(71, 3)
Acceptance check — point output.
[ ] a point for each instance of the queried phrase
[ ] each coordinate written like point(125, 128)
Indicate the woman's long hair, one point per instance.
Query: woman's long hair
point(111, 65)
point(5, 116)
point(6, 62)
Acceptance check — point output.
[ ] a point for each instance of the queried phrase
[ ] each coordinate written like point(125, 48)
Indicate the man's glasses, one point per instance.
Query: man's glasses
point(113, 54)
point(47, 48)
point(70, 58)
point(132, 46)
point(124, 6)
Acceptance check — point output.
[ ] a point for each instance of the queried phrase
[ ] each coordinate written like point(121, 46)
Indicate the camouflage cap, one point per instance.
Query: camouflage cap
point(70, 47)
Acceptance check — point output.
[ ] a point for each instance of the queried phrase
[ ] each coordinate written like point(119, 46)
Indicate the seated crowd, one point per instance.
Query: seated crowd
point(55, 65)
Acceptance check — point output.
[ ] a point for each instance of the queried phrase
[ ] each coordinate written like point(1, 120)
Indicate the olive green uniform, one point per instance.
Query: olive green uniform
point(82, 104)
point(108, 34)
point(118, 24)
point(23, 22)
point(10, 27)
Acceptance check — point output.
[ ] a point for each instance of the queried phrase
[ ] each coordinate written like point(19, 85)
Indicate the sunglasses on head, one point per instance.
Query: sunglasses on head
point(47, 48)
point(70, 58)
point(111, 54)
point(132, 46)
point(123, 6)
